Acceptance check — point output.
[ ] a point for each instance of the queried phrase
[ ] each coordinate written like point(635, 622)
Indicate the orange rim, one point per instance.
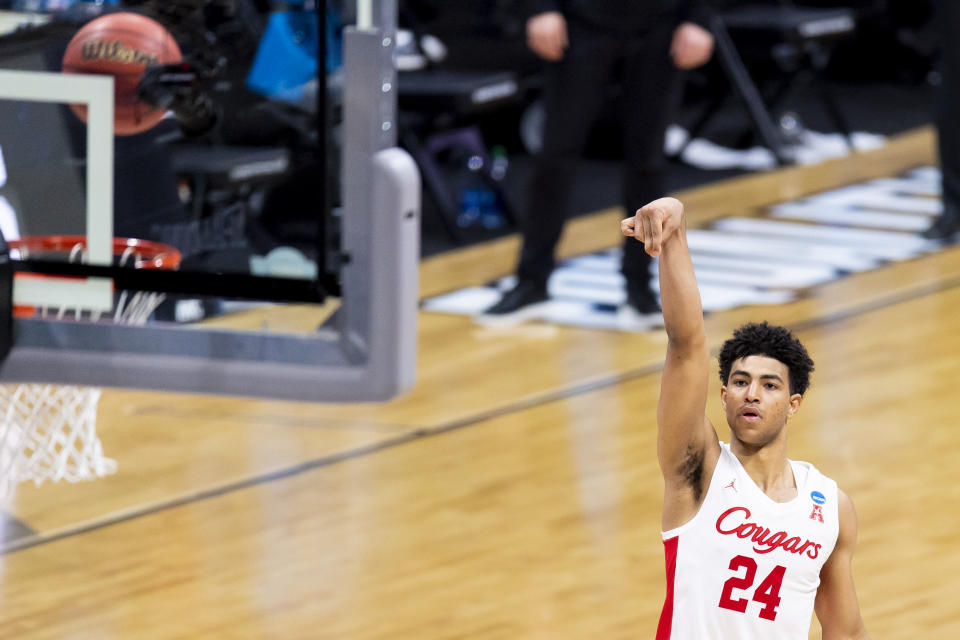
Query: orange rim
point(149, 254)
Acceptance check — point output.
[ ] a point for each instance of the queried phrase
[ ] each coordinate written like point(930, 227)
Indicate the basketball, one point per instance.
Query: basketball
point(122, 45)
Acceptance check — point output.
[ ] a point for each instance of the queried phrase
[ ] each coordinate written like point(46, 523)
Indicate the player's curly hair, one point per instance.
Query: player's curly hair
point(772, 341)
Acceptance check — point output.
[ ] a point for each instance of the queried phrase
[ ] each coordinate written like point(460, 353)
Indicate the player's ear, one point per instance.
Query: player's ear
point(723, 396)
point(795, 401)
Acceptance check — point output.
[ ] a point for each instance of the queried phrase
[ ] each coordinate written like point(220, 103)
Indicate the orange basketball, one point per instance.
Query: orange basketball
point(122, 45)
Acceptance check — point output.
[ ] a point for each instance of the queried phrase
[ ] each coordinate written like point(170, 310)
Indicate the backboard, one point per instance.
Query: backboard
point(296, 216)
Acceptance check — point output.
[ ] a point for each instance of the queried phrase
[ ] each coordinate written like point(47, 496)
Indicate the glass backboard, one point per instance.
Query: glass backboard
point(293, 216)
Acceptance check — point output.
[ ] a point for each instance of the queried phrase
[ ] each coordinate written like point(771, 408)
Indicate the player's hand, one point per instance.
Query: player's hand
point(547, 35)
point(654, 224)
point(692, 46)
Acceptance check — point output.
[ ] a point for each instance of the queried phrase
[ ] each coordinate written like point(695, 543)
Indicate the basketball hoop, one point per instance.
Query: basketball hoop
point(48, 432)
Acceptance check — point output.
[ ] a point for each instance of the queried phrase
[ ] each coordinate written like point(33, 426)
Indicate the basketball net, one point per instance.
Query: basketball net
point(48, 431)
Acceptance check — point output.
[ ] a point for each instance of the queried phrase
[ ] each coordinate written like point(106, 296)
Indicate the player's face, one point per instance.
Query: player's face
point(757, 399)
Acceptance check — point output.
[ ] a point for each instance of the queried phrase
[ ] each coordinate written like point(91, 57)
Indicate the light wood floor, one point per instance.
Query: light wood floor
point(514, 493)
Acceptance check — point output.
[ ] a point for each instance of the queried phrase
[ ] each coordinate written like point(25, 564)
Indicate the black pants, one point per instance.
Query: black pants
point(575, 90)
point(947, 18)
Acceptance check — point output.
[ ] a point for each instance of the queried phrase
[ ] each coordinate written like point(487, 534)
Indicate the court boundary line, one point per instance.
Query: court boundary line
point(534, 401)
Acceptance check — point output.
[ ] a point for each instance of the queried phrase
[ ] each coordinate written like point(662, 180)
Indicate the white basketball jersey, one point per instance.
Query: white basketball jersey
point(747, 567)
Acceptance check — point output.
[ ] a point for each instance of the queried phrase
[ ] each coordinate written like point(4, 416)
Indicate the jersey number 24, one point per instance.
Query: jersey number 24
point(767, 592)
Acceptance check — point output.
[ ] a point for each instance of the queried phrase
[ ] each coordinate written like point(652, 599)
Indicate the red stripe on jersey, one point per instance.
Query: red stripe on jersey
point(666, 616)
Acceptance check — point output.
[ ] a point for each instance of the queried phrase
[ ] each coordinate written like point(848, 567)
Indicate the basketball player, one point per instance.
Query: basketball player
point(754, 542)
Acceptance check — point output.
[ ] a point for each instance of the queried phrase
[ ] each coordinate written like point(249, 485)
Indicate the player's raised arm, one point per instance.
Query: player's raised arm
point(687, 444)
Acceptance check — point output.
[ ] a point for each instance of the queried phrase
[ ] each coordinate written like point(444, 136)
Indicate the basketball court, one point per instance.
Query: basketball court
point(279, 468)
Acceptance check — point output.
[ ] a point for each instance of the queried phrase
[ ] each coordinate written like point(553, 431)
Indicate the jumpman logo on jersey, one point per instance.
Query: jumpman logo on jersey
point(732, 486)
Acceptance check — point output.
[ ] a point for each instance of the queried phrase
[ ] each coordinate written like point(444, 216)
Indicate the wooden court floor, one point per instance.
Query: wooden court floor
point(514, 493)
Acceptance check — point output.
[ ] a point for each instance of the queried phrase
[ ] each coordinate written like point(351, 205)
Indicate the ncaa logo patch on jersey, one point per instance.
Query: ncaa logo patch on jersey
point(818, 499)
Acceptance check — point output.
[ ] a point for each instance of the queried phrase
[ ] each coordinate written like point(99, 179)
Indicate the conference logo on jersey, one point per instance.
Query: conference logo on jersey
point(818, 500)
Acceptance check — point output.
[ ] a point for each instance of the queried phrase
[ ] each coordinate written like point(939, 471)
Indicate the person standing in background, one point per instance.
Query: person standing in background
point(643, 45)
point(947, 21)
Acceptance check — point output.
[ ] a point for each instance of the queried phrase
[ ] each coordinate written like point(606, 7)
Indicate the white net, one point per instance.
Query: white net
point(49, 432)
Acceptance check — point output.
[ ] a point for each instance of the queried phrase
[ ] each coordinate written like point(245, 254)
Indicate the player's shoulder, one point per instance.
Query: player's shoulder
point(845, 505)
